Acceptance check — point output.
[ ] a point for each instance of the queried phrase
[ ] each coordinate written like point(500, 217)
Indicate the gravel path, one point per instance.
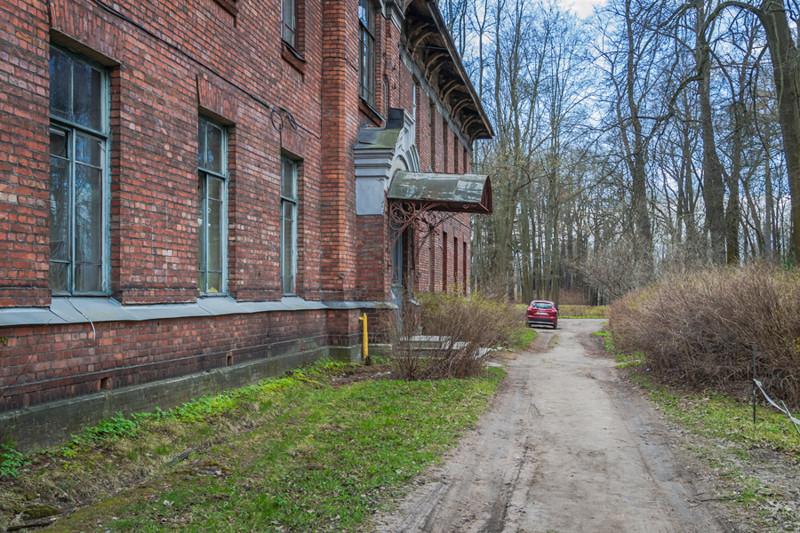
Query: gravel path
point(566, 446)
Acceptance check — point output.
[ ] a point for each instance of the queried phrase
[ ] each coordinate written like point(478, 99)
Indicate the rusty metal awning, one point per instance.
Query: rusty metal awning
point(459, 193)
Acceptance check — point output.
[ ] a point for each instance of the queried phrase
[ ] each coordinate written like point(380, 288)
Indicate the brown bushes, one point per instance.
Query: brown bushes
point(443, 336)
point(697, 329)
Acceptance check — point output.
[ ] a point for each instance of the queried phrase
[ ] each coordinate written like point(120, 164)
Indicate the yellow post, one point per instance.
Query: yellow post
point(365, 340)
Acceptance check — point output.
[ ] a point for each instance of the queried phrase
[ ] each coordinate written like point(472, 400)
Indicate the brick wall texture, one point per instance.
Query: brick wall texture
point(168, 62)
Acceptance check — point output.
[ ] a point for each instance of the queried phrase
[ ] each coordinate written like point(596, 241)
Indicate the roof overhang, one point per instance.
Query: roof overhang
point(429, 43)
point(456, 193)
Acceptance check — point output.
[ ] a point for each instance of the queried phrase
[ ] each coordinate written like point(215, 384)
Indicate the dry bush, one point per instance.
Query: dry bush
point(443, 336)
point(698, 329)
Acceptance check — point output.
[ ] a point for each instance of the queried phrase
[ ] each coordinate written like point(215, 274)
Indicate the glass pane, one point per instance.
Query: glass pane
point(288, 35)
point(58, 143)
point(214, 154)
point(215, 187)
point(365, 13)
point(88, 277)
point(288, 178)
point(214, 221)
point(201, 231)
point(370, 76)
point(288, 245)
point(88, 228)
point(88, 149)
point(60, 84)
point(214, 235)
point(214, 282)
point(86, 95)
point(59, 208)
point(201, 143)
point(288, 21)
point(59, 276)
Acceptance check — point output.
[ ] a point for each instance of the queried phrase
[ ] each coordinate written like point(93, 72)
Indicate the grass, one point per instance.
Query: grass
point(521, 338)
point(727, 438)
point(712, 413)
point(724, 417)
point(320, 449)
point(582, 311)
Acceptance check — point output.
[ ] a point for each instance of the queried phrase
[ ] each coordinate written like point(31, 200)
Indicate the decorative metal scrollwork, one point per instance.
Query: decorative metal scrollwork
point(423, 217)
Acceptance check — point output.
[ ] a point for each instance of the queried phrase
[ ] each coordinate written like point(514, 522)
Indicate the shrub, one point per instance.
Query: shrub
point(11, 461)
point(443, 335)
point(698, 329)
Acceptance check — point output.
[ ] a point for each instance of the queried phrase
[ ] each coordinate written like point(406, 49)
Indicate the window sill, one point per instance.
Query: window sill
point(370, 112)
point(293, 57)
point(85, 310)
point(229, 6)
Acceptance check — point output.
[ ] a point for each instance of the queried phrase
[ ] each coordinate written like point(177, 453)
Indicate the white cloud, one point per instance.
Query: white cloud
point(582, 8)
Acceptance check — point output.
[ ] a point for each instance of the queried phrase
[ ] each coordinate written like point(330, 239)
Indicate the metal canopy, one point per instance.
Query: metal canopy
point(458, 193)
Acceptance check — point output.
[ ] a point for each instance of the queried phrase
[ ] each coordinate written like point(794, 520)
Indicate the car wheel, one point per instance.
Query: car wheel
point(554, 325)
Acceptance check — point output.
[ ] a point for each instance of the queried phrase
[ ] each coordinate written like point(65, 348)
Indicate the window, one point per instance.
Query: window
point(288, 225)
point(432, 254)
point(464, 265)
point(78, 175)
point(289, 16)
point(444, 261)
point(366, 65)
point(445, 152)
point(455, 263)
point(213, 198)
point(434, 166)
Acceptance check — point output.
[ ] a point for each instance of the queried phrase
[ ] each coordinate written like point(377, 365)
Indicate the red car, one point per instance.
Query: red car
point(542, 312)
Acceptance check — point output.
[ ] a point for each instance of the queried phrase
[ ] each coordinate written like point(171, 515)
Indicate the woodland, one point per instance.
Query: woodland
point(651, 138)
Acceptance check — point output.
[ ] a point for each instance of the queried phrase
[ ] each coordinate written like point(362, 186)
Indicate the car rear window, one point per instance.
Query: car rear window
point(540, 305)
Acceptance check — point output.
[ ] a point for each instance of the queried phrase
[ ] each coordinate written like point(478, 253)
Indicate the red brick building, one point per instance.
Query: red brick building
point(196, 194)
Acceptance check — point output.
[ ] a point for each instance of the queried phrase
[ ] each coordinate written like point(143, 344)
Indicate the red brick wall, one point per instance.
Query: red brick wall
point(339, 132)
point(204, 59)
point(40, 365)
point(374, 259)
point(169, 61)
point(24, 159)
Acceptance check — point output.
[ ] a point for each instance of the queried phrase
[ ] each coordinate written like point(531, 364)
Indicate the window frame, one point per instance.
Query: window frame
point(366, 71)
point(204, 175)
point(292, 26)
point(72, 129)
point(289, 201)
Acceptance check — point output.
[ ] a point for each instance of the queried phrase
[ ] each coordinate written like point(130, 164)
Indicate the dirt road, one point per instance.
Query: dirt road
point(566, 446)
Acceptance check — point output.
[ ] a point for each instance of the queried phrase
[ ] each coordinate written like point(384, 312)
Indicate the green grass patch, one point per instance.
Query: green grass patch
point(318, 450)
point(721, 416)
point(521, 338)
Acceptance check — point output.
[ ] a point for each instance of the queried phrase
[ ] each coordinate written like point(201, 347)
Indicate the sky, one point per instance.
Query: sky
point(582, 8)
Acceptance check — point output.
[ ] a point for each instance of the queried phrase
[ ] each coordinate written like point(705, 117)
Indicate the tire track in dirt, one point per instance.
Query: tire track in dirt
point(563, 447)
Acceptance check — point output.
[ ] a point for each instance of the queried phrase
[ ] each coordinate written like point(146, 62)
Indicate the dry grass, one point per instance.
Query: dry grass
point(454, 328)
point(698, 329)
point(583, 311)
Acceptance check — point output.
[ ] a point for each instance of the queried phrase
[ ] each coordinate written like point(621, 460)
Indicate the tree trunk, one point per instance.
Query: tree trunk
point(713, 185)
